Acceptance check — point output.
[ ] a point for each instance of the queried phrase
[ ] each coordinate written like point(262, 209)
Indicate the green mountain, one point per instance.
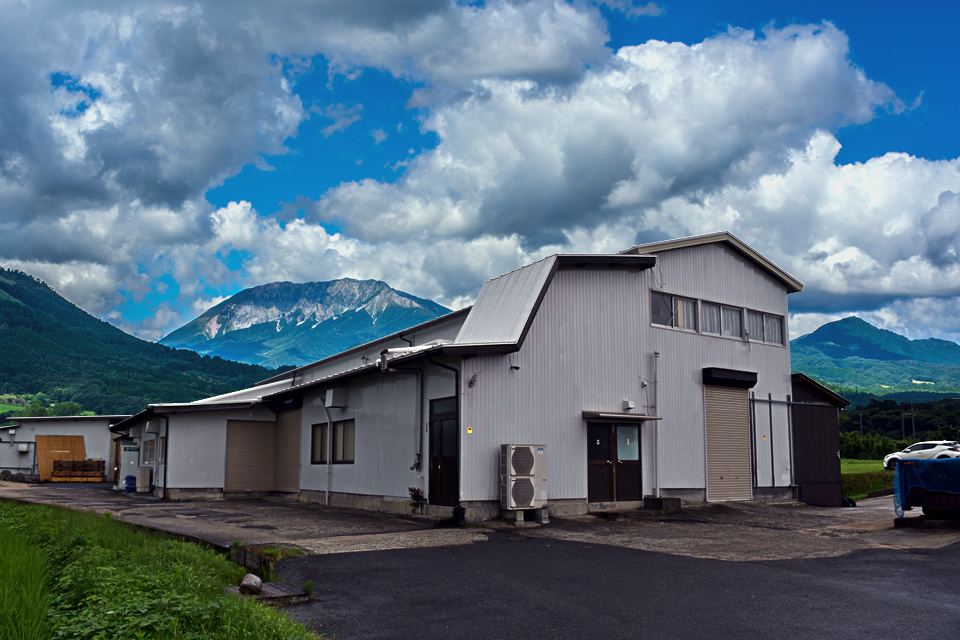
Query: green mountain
point(854, 353)
point(48, 344)
point(288, 323)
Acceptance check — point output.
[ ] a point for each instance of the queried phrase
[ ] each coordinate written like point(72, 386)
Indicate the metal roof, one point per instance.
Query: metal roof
point(81, 418)
point(793, 285)
point(504, 304)
point(453, 315)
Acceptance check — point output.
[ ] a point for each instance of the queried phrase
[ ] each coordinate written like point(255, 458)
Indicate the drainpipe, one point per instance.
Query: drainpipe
point(166, 458)
point(656, 412)
point(329, 450)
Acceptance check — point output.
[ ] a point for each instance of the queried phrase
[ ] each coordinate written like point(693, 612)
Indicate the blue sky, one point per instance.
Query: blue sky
point(156, 158)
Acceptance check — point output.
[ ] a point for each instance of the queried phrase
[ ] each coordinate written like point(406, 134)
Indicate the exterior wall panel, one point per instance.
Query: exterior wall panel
point(383, 407)
point(197, 446)
point(581, 354)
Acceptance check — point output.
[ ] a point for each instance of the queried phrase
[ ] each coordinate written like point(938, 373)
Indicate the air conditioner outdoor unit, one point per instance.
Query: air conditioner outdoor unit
point(523, 476)
point(143, 479)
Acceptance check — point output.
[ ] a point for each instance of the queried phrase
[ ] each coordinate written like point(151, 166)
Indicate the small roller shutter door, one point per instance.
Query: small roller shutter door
point(728, 443)
point(251, 456)
point(288, 451)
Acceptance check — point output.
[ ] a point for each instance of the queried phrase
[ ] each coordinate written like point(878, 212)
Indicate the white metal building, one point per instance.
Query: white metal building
point(18, 443)
point(660, 371)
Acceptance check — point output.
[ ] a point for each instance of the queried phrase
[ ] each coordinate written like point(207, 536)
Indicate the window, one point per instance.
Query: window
point(162, 450)
point(765, 327)
point(732, 320)
point(711, 317)
point(772, 329)
point(148, 452)
point(343, 443)
point(673, 311)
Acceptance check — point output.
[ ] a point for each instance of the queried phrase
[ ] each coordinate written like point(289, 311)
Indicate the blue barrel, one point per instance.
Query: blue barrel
point(130, 484)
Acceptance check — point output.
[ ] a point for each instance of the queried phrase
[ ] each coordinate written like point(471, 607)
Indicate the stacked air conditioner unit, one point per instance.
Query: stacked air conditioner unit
point(523, 476)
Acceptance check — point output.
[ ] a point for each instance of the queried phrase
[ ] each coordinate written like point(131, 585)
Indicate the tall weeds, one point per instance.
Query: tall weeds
point(109, 581)
point(24, 599)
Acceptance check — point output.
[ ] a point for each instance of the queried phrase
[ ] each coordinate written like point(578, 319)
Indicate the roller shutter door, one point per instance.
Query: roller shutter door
point(728, 443)
point(288, 451)
point(251, 456)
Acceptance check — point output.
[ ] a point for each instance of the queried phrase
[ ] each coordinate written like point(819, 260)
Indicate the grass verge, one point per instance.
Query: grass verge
point(91, 577)
point(848, 465)
point(859, 477)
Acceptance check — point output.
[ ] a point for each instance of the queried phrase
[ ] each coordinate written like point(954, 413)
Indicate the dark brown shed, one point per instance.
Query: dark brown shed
point(815, 413)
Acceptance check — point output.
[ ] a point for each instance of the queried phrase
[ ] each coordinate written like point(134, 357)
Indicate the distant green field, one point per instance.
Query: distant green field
point(8, 407)
point(860, 466)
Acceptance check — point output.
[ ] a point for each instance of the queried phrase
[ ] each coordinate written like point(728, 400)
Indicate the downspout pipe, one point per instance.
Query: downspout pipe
point(656, 412)
point(329, 450)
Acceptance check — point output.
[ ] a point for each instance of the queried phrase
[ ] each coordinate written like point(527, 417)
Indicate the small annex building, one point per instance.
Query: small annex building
point(815, 412)
point(660, 371)
point(91, 436)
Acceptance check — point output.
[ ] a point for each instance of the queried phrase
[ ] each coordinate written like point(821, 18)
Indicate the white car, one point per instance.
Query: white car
point(935, 449)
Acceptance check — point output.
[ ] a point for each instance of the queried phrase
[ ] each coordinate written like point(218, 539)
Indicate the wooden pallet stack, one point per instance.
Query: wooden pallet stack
point(78, 470)
point(63, 459)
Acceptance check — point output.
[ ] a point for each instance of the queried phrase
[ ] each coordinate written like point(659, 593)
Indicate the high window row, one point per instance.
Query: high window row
point(717, 319)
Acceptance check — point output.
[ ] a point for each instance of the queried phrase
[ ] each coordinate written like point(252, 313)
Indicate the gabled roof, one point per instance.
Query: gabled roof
point(507, 305)
point(792, 284)
point(830, 396)
point(111, 419)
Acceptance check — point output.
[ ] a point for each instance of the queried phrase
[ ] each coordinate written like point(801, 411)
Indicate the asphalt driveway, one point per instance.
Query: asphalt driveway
point(516, 586)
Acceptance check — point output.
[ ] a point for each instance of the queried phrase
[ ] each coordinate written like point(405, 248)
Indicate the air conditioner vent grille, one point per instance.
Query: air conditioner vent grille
point(523, 492)
point(522, 461)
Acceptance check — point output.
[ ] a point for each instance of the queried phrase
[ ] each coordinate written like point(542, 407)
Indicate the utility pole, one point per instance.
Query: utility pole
point(903, 427)
point(861, 424)
point(913, 425)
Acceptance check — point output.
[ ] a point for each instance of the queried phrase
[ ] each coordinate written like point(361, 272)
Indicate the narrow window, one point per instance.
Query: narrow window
point(162, 450)
point(661, 306)
point(711, 317)
point(685, 313)
point(732, 319)
point(773, 329)
point(149, 452)
point(343, 442)
point(755, 326)
point(318, 444)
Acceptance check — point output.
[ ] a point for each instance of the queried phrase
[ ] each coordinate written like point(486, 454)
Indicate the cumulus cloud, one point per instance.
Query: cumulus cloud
point(118, 119)
point(660, 121)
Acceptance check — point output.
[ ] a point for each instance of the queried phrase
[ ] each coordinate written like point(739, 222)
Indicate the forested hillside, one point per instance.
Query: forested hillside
point(49, 345)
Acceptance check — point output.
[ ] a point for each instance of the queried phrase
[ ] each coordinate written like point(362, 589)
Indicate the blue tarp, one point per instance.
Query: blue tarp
point(913, 478)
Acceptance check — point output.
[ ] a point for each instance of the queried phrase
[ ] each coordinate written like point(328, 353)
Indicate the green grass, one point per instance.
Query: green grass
point(859, 477)
point(24, 596)
point(860, 466)
point(9, 407)
point(112, 581)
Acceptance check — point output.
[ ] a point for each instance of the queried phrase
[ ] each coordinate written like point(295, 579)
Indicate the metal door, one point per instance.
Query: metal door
point(288, 451)
point(614, 470)
point(727, 417)
point(444, 452)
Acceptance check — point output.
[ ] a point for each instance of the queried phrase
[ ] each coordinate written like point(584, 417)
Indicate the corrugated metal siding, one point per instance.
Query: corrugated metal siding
point(250, 456)
point(196, 446)
point(384, 408)
point(288, 450)
point(719, 274)
point(728, 443)
point(504, 304)
point(582, 353)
